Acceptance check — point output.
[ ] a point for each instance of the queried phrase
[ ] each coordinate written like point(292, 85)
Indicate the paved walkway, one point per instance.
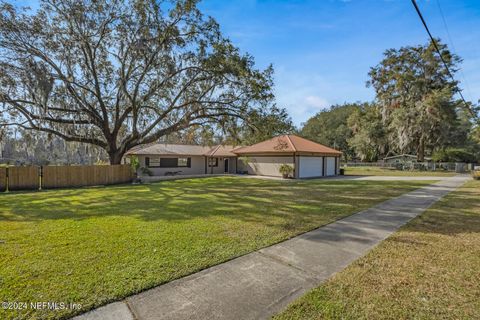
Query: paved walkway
point(388, 178)
point(262, 283)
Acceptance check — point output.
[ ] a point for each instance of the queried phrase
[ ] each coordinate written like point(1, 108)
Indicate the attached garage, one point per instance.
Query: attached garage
point(310, 167)
point(307, 158)
point(331, 166)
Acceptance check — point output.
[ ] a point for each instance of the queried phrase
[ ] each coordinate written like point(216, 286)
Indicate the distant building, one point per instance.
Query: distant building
point(402, 158)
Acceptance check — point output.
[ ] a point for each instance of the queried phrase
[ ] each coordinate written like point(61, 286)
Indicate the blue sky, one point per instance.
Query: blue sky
point(322, 50)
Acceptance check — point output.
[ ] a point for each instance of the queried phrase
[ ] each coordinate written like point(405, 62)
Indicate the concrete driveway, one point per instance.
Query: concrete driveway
point(390, 178)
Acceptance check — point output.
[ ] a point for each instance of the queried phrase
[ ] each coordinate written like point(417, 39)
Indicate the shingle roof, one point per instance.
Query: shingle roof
point(221, 151)
point(183, 149)
point(171, 149)
point(280, 144)
point(287, 144)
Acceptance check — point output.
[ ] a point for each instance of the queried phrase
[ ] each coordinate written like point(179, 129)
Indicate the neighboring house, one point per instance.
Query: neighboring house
point(402, 158)
point(309, 159)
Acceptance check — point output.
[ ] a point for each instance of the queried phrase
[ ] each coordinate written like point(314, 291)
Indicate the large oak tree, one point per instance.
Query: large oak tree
point(119, 73)
point(416, 95)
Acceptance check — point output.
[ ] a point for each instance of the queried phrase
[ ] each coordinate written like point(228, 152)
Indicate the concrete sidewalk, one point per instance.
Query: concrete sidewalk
point(388, 178)
point(262, 283)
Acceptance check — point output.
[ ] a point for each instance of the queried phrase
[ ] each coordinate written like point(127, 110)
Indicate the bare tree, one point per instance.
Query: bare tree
point(118, 73)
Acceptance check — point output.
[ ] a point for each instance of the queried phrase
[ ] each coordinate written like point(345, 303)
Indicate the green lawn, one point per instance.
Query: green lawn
point(376, 171)
point(430, 269)
point(96, 245)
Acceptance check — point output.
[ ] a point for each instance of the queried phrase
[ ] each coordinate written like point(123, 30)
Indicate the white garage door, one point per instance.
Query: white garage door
point(310, 167)
point(330, 166)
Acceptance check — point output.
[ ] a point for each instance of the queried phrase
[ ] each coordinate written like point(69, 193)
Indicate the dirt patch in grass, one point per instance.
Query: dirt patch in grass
point(427, 270)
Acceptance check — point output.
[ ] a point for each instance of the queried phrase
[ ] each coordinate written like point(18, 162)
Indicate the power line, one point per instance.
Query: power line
point(440, 54)
point(453, 47)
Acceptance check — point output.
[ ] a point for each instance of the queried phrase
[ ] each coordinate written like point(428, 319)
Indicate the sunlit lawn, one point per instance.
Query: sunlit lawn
point(378, 171)
point(430, 269)
point(96, 245)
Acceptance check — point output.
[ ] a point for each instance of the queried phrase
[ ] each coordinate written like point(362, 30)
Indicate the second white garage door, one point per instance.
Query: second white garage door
point(310, 167)
point(330, 166)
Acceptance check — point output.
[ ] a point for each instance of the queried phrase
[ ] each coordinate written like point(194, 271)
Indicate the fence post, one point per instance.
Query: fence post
point(40, 177)
point(6, 180)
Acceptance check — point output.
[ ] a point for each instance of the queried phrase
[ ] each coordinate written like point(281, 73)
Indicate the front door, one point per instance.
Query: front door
point(226, 165)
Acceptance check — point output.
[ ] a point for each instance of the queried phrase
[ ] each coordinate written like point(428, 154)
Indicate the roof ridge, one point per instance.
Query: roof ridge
point(141, 147)
point(215, 150)
point(291, 143)
point(315, 142)
point(182, 144)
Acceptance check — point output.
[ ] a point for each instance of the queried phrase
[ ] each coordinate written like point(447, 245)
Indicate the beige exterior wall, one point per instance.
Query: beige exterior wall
point(221, 166)
point(197, 165)
point(219, 169)
point(265, 165)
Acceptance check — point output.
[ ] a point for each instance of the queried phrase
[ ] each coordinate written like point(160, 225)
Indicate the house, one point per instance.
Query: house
point(308, 159)
point(164, 159)
point(403, 158)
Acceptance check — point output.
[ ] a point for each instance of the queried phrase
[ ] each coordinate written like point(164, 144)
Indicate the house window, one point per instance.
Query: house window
point(213, 162)
point(168, 162)
point(184, 162)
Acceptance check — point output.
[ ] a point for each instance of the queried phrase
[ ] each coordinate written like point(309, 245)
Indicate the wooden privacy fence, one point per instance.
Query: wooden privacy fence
point(23, 178)
point(3, 179)
point(49, 177)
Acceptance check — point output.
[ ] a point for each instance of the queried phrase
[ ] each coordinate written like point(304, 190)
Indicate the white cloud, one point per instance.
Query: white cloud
point(303, 95)
point(316, 102)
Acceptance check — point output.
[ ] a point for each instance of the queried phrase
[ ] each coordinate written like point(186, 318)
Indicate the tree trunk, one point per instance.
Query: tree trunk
point(421, 151)
point(115, 157)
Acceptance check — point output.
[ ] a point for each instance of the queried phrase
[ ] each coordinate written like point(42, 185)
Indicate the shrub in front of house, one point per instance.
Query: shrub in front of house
point(476, 174)
point(286, 170)
point(146, 171)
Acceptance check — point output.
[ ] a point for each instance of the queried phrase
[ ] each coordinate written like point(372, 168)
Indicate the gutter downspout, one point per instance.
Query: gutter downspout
point(323, 166)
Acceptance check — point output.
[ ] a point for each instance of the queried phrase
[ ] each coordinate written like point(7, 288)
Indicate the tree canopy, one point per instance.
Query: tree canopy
point(415, 110)
point(330, 127)
point(415, 94)
point(368, 134)
point(118, 73)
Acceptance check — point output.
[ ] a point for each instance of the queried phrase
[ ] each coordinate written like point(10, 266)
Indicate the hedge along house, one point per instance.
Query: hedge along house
point(308, 159)
point(164, 159)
